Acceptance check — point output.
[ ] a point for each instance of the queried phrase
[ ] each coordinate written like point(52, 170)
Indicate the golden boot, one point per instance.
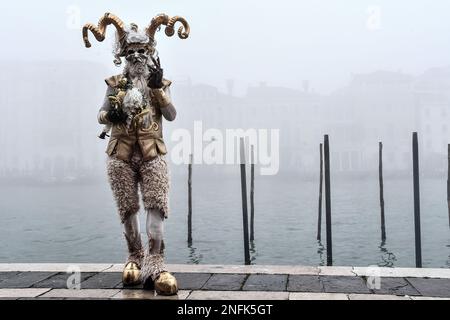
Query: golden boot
point(166, 284)
point(131, 274)
point(155, 277)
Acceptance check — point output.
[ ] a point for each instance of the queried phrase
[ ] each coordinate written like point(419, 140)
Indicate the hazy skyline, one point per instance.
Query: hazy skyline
point(281, 44)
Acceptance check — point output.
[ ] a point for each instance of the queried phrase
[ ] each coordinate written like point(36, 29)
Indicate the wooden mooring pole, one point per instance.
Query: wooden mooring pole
point(319, 218)
point(244, 203)
point(190, 200)
point(328, 201)
point(252, 194)
point(380, 178)
point(448, 184)
point(417, 201)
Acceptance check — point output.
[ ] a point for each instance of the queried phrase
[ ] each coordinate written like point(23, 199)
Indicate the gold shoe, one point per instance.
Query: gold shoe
point(166, 284)
point(131, 274)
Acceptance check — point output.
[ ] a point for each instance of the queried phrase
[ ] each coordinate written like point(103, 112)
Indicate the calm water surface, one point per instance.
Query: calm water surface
point(73, 223)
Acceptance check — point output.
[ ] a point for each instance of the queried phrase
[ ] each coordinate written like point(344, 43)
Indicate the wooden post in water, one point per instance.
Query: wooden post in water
point(417, 201)
point(244, 203)
point(252, 194)
point(380, 178)
point(190, 199)
point(319, 219)
point(328, 201)
point(448, 184)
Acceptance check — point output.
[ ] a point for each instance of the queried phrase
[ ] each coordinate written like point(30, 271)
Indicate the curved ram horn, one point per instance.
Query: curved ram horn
point(100, 30)
point(163, 19)
point(183, 31)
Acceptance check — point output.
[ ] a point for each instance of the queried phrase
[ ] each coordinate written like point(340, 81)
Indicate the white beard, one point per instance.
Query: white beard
point(137, 97)
point(138, 72)
point(132, 104)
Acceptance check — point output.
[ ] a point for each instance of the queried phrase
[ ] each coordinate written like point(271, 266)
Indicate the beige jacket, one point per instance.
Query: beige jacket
point(149, 140)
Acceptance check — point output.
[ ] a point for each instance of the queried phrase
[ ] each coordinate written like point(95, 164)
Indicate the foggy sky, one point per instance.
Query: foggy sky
point(54, 84)
point(281, 42)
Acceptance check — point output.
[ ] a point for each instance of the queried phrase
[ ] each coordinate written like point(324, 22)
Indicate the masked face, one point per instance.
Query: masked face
point(137, 57)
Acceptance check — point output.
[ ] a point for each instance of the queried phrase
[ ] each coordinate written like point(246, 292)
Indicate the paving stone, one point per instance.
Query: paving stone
point(191, 281)
point(341, 284)
point(129, 294)
point(237, 295)
point(266, 282)
point(443, 273)
point(396, 286)
point(138, 286)
point(7, 275)
point(103, 280)
point(54, 267)
point(40, 298)
point(87, 298)
point(59, 281)
point(336, 271)
point(241, 269)
point(376, 297)
point(118, 267)
point(249, 282)
point(225, 282)
point(253, 269)
point(429, 298)
point(317, 296)
point(22, 292)
point(25, 279)
point(431, 287)
point(84, 293)
point(304, 283)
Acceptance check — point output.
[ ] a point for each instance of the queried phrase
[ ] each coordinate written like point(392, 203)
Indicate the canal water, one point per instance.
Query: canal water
point(78, 223)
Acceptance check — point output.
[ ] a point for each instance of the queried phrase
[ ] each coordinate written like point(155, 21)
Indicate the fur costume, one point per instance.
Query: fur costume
point(153, 265)
point(135, 103)
point(151, 177)
point(135, 250)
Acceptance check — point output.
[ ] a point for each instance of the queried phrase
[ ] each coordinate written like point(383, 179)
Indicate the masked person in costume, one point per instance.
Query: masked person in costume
point(135, 103)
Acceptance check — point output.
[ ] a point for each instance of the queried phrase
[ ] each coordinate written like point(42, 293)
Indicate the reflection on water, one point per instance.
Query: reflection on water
point(74, 223)
point(194, 257)
point(253, 253)
point(322, 253)
point(387, 258)
point(448, 260)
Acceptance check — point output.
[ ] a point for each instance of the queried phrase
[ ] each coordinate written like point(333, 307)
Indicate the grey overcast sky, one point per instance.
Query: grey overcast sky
point(281, 42)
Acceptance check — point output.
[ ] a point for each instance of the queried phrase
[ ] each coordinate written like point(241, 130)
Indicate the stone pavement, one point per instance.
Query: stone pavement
point(222, 282)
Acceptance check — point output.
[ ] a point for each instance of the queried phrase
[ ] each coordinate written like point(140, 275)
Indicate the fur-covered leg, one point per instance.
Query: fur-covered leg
point(155, 190)
point(135, 250)
point(131, 272)
point(133, 237)
point(155, 276)
point(155, 185)
point(124, 185)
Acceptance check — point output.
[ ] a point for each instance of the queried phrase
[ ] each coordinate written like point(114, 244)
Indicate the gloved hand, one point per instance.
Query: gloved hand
point(154, 81)
point(116, 116)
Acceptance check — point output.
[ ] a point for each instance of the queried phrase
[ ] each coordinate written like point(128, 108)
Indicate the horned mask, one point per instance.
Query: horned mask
point(130, 36)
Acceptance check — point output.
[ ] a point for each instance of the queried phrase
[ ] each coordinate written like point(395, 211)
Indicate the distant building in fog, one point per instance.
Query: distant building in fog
point(373, 107)
point(49, 128)
point(432, 90)
point(263, 107)
point(379, 106)
point(49, 119)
